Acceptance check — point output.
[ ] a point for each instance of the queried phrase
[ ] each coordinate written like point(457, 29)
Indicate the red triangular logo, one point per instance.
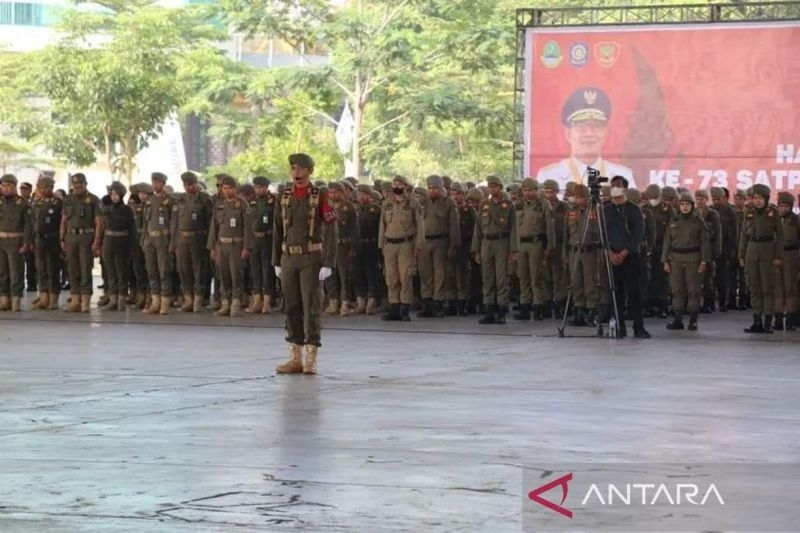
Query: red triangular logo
point(563, 481)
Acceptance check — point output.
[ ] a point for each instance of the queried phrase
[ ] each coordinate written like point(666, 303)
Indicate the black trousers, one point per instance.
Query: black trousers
point(627, 281)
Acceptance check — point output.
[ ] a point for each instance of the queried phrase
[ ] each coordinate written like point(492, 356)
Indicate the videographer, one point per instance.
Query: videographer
point(625, 228)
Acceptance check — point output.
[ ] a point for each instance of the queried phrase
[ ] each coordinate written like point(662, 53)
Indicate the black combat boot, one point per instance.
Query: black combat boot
point(768, 324)
point(676, 324)
point(452, 308)
point(537, 313)
point(778, 322)
point(692, 322)
point(501, 314)
point(489, 317)
point(723, 306)
point(427, 309)
point(393, 314)
point(524, 312)
point(578, 317)
point(791, 322)
point(591, 317)
point(439, 310)
point(756, 327)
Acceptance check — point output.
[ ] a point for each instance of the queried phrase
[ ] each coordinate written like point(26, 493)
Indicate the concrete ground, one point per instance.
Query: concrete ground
point(124, 422)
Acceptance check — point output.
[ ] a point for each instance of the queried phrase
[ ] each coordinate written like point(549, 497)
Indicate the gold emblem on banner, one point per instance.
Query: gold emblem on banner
point(607, 54)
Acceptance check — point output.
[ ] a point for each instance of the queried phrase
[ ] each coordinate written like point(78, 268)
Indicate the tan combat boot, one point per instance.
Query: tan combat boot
point(310, 363)
point(188, 303)
point(361, 306)
point(122, 302)
point(166, 301)
point(86, 302)
point(5, 303)
point(42, 302)
point(16, 304)
point(53, 301)
point(73, 304)
point(372, 306)
point(36, 300)
point(295, 363)
point(103, 300)
point(236, 307)
point(141, 300)
point(155, 305)
point(197, 304)
point(255, 305)
point(345, 309)
point(111, 305)
point(266, 308)
point(333, 307)
point(177, 302)
point(224, 308)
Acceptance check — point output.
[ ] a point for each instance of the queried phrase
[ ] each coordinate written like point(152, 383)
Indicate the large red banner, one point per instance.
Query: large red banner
point(693, 106)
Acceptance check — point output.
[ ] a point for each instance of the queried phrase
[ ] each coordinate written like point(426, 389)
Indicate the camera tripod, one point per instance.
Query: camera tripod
point(596, 206)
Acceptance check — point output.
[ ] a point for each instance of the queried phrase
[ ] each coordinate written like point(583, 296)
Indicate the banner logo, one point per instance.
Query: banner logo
point(578, 54)
point(551, 55)
point(607, 54)
point(562, 482)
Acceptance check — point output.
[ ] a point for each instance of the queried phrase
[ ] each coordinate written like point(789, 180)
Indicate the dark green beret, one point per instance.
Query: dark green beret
point(46, 182)
point(435, 182)
point(363, 187)
point(228, 180)
point(335, 186)
point(669, 193)
point(686, 197)
point(77, 178)
point(761, 190)
point(348, 185)
point(189, 178)
point(786, 198)
point(158, 176)
point(458, 187)
point(8, 178)
point(494, 180)
point(119, 188)
point(301, 160)
point(261, 181)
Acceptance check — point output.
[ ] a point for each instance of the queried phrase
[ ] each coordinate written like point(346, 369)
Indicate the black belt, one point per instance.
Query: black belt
point(399, 240)
point(762, 239)
point(435, 237)
point(533, 238)
point(53, 235)
point(495, 236)
point(691, 250)
point(791, 247)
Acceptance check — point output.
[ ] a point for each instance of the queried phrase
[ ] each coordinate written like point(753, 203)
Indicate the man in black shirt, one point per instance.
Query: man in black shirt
point(625, 225)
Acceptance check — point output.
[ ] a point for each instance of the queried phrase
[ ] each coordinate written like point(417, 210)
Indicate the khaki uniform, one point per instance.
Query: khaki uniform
point(305, 240)
point(462, 262)
point(80, 214)
point(712, 220)
point(46, 214)
point(191, 219)
point(442, 237)
point(658, 291)
point(400, 236)
point(16, 230)
point(536, 233)
point(228, 235)
point(494, 237)
point(761, 242)
point(339, 285)
point(686, 244)
point(156, 221)
point(586, 261)
point(786, 286)
point(262, 214)
point(556, 283)
point(119, 241)
point(740, 285)
point(367, 270)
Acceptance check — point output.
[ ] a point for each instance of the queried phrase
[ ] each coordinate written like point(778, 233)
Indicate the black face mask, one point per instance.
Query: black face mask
point(398, 190)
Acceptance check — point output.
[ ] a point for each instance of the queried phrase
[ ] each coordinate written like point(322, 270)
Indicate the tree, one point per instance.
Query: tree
point(116, 75)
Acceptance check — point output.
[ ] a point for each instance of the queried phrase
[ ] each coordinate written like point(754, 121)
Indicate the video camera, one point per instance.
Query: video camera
point(595, 182)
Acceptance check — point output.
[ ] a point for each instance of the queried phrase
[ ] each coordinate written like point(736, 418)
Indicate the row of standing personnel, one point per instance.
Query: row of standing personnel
point(396, 244)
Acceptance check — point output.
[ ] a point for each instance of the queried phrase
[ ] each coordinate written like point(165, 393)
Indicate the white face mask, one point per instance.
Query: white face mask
point(654, 202)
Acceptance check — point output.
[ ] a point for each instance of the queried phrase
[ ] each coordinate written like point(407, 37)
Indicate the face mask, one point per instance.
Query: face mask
point(654, 202)
point(398, 190)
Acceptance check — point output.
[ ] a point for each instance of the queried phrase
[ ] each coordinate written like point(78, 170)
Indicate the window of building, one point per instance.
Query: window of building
point(6, 13)
point(26, 14)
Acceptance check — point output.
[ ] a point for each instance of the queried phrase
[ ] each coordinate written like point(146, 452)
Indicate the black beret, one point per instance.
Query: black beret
point(302, 160)
point(261, 181)
point(586, 103)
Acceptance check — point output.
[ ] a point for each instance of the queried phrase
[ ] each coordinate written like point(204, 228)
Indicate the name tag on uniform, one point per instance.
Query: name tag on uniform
point(265, 219)
point(161, 221)
point(46, 220)
point(194, 216)
point(50, 210)
point(233, 222)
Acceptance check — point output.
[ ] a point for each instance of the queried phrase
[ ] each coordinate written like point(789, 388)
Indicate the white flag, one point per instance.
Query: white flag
point(344, 131)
